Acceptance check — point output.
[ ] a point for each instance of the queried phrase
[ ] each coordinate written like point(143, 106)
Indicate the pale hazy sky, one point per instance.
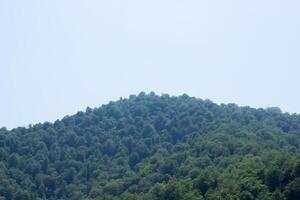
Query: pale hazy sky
point(58, 57)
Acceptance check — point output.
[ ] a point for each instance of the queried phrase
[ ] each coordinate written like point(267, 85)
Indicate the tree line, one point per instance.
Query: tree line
point(155, 147)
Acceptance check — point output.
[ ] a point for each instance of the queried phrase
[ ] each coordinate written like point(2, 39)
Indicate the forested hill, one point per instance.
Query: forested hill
point(150, 147)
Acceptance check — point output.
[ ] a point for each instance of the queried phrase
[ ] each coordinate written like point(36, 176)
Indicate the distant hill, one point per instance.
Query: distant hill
point(151, 147)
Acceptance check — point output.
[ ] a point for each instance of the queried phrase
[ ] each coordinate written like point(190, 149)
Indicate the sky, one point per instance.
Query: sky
point(58, 57)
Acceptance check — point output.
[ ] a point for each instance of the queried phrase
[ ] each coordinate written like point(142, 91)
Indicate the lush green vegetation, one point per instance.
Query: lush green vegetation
point(151, 147)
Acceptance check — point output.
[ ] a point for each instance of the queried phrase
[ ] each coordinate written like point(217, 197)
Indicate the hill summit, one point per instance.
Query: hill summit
point(150, 147)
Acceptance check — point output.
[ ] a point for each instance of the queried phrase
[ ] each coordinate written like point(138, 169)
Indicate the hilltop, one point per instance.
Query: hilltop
point(155, 147)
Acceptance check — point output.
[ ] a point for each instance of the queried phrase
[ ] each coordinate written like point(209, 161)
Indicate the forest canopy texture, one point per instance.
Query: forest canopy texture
point(151, 147)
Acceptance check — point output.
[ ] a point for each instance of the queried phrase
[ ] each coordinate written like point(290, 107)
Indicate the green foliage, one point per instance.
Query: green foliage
point(151, 147)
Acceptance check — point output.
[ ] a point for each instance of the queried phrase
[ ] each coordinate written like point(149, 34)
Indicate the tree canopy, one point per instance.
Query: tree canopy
point(155, 147)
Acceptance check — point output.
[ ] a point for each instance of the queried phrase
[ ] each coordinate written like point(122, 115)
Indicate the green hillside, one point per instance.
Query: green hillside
point(150, 147)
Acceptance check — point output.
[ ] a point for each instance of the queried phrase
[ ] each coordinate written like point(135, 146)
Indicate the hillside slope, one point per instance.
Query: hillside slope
point(151, 147)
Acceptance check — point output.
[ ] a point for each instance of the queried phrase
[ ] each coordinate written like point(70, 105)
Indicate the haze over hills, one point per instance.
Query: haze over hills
point(155, 147)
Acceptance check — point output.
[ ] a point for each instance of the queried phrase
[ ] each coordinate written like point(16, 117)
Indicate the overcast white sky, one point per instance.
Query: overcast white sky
point(58, 57)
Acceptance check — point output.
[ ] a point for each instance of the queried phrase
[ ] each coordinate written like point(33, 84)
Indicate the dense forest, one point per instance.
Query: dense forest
point(150, 147)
